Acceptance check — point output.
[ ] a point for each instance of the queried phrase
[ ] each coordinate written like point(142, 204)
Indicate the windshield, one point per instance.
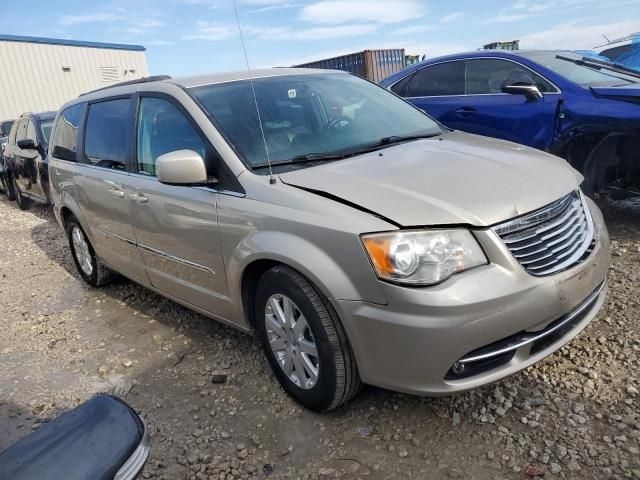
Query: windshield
point(45, 128)
point(589, 75)
point(308, 115)
point(5, 127)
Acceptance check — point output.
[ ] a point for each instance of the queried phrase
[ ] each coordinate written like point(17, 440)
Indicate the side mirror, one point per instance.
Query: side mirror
point(27, 144)
point(102, 438)
point(530, 91)
point(182, 167)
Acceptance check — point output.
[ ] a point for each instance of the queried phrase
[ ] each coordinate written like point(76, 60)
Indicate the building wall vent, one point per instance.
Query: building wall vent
point(109, 74)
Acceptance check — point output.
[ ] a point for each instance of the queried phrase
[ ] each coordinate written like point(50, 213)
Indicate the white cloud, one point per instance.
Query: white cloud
point(145, 25)
point(577, 35)
point(412, 30)
point(217, 32)
point(265, 2)
point(277, 6)
point(312, 34)
point(104, 17)
point(212, 32)
point(261, 4)
point(452, 17)
point(506, 18)
point(335, 12)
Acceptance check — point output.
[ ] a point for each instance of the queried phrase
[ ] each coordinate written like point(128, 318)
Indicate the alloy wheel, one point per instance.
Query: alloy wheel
point(81, 250)
point(291, 341)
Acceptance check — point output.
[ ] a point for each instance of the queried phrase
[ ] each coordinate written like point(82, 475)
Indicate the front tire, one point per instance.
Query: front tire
point(84, 256)
point(304, 341)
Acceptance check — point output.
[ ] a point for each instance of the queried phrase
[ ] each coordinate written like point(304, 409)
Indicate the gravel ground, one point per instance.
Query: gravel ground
point(216, 412)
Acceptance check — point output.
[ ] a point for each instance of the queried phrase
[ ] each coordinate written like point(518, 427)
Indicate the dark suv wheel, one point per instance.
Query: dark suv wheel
point(23, 202)
point(304, 341)
point(7, 186)
point(89, 266)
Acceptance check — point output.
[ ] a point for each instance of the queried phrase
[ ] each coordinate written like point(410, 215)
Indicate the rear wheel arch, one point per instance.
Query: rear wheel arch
point(69, 212)
point(100, 274)
point(65, 215)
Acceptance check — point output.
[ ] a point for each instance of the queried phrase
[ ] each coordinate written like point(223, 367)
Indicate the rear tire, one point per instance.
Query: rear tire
point(7, 185)
point(84, 256)
point(321, 346)
point(23, 202)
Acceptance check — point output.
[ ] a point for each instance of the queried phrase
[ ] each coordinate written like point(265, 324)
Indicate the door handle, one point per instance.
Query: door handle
point(116, 193)
point(465, 112)
point(139, 197)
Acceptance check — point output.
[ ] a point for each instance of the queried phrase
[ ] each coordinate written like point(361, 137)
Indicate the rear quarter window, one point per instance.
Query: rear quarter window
point(65, 133)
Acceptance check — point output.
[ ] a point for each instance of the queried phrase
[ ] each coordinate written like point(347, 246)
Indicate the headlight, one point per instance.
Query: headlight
point(422, 257)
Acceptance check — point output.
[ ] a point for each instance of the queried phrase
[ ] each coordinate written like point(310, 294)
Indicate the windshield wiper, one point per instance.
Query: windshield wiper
point(325, 157)
point(406, 138)
point(594, 63)
point(306, 158)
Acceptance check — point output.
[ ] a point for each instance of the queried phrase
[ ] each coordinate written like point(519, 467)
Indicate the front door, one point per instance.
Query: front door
point(101, 183)
point(176, 226)
point(16, 157)
point(32, 161)
point(485, 110)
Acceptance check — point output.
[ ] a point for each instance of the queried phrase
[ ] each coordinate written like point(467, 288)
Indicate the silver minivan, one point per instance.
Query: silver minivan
point(362, 241)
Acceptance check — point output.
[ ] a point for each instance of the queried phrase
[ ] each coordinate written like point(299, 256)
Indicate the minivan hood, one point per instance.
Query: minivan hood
point(456, 178)
point(630, 93)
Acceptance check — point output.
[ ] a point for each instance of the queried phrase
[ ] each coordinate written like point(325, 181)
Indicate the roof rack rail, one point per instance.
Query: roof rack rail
point(153, 78)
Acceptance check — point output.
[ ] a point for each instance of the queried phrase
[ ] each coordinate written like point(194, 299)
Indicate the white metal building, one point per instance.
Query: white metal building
point(40, 74)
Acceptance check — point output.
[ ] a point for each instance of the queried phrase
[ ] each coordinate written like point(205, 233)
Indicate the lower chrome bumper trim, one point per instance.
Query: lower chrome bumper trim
point(526, 338)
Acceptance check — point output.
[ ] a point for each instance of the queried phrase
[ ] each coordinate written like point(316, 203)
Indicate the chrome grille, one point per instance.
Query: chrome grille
point(551, 239)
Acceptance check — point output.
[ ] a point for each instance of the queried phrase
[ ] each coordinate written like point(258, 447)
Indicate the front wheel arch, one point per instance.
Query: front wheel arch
point(336, 346)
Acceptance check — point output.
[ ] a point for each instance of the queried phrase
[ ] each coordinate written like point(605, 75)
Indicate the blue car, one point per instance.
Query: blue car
point(579, 108)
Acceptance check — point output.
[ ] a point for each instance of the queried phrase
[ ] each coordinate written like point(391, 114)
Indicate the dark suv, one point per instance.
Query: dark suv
point(5, 127)
point(26, 158)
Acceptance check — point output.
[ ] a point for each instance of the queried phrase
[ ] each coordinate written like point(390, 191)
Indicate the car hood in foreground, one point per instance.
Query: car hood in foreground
point(453, 179)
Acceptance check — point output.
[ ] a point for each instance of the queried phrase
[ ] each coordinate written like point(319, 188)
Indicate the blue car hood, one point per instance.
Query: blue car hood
point(629, 92)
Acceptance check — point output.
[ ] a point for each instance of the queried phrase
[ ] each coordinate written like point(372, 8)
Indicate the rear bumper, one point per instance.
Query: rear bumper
point(412, 343)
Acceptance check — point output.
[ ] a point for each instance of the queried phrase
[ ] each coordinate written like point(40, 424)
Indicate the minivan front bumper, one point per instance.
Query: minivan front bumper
point(477, 327)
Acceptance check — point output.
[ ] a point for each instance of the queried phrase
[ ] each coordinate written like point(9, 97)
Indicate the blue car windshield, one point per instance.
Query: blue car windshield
point(309, 116)
point(578, 69)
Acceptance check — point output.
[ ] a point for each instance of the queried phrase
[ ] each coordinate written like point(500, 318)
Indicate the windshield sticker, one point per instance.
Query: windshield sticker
point(293, 93)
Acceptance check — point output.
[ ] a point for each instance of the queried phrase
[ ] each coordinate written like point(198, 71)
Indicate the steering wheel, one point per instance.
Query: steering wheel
point(339, 122)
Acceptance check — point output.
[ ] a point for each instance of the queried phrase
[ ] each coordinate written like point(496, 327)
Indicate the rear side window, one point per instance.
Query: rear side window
point(65, 133)
point(438, 80)
point(162, 128)
point(105, 142)
point(488, 76)
point(400, 88)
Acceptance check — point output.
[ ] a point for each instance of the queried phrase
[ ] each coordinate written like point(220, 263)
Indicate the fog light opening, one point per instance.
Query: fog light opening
point(458, 368)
